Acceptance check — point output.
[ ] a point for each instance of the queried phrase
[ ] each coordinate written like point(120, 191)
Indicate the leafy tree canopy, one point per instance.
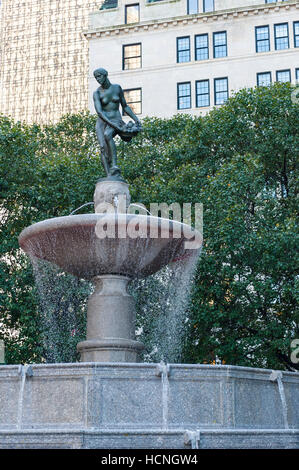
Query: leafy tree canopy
point(239, 161)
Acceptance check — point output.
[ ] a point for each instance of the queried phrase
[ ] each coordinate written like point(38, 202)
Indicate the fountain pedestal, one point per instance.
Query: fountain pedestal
point(110, 323)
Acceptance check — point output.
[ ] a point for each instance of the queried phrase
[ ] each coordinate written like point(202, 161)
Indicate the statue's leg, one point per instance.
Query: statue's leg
point(109, 134)
point(100, 130)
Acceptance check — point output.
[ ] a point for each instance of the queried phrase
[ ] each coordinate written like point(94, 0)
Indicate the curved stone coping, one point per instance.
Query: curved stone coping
point(158, 431)
point(150, 365)
point(88, 245)
point(92, 219)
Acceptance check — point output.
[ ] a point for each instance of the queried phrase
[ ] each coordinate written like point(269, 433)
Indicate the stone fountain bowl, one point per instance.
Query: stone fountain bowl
point(137, 245)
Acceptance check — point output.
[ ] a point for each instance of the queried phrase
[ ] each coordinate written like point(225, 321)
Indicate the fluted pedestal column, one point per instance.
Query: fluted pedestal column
point(110, 323)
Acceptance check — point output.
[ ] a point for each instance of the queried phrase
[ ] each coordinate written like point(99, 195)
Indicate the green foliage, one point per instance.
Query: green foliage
point(239, 161)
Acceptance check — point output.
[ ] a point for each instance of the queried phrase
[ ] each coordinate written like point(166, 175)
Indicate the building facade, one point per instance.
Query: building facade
point(43, 58)
point(174, 56)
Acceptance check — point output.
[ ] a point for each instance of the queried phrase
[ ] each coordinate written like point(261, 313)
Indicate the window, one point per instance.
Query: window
point(283, 76)
point(132, 56)
point(192, 7)
point(296, 34)
point(220, 47)
point(262, 39)
point(264, 79)
point(297, 75)
point(183, 49)
point(281, 34)
point(184, 95)
point(132, 13)
point(201, 47)
point(133, 99)
point(221, 90)
point(202, 93)
point(208, 5)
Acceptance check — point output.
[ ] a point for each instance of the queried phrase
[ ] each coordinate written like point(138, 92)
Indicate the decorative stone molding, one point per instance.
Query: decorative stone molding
point(191, 19)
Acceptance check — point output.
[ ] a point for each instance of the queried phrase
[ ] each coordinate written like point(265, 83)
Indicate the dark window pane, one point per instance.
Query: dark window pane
point(283, 76)
point(262, 32)
point(132, 13)
point(281, 33)
point(183, 49)
point(220, 47)
point(264, 79)
point(184, 95)
point(133, 99)
point(132, 56)
point(202, 93)
point(296, 34)
point(221, 90)
point(262, 39)
point(208, 5)
point(192, 7)
point(201, 47)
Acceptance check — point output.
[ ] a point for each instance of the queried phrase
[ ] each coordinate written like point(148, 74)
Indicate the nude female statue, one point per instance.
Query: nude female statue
point(107, 99)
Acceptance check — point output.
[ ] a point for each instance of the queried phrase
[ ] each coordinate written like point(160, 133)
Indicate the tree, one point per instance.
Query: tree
point(239, 161)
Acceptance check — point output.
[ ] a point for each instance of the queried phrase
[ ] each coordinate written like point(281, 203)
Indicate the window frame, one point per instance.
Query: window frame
point(258, 40)
point(177, 49)
point(283, 70)
point(204, 6)
point(288, 35)
point(124, 58)
point(197, 94)
point(129, 104)
point(295, 35)
point(215, 92)
point(263, 73)
point(188, 12)
point(196, 48)
point(126, 12)
point(178, 96)
point(214, 47)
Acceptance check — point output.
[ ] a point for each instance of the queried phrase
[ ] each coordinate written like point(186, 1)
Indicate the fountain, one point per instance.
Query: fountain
point(138, 246)
point(109, 399)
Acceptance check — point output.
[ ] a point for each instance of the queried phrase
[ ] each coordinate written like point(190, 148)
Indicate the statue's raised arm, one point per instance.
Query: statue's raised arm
point(107, 100)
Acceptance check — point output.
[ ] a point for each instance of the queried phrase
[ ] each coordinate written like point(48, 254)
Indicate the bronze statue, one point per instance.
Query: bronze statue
point(107, 99)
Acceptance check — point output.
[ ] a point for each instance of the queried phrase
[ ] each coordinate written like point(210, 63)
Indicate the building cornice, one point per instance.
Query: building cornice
point(178, 21)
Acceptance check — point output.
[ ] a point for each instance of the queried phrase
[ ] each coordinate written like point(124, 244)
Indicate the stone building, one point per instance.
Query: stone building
point(43, 58)
point(189, 55)
point(169, 55)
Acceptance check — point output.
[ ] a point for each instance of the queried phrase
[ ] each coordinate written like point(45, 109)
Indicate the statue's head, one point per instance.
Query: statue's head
point(100, 75)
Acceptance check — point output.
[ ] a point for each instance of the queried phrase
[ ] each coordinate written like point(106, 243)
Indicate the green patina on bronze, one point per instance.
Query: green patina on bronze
point(107, 99)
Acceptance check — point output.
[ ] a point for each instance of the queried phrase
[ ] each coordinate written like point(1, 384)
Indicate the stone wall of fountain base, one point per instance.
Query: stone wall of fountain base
point(100, 405)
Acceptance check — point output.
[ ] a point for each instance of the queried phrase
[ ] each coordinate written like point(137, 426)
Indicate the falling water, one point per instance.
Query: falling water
point(63, 306)
point(161, 299)
point(24, 371)
point(162, 309)
point(163, 371)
